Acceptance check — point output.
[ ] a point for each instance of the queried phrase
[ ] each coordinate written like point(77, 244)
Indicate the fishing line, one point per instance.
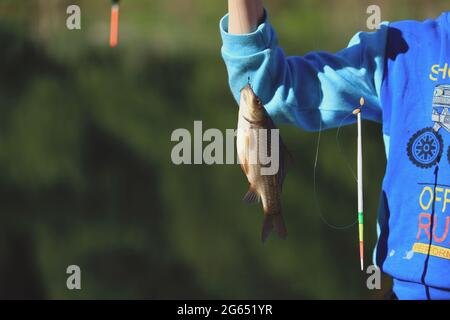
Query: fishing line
point(322, 217)
point(342, 156)
point(341, 153)
point(316, 158)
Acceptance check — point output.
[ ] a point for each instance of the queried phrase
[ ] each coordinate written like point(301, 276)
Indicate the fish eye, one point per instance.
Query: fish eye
point(258, 102)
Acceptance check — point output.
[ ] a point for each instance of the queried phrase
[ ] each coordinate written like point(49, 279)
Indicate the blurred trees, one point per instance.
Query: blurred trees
point(86, 176)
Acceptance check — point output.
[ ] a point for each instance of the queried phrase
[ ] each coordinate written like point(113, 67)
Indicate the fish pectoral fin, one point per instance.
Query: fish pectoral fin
point(251, 196)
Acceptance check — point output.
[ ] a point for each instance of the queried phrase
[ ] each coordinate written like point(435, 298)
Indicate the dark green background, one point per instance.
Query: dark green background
point(85, 170)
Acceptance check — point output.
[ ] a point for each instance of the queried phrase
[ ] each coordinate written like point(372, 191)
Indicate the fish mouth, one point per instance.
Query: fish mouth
point(248, 94)
point(246, 87)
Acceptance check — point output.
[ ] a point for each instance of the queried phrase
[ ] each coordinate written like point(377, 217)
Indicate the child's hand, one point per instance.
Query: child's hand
point(244, 15)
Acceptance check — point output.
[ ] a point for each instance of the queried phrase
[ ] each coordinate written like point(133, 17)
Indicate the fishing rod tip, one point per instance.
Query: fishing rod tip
point(361, 254)
point(356, 111)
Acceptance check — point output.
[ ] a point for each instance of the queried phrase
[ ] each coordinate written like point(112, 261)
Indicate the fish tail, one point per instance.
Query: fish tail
point(279, 226)
point(273, 221)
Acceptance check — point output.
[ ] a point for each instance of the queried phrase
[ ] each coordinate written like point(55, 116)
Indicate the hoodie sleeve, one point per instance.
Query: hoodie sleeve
point(318, 90)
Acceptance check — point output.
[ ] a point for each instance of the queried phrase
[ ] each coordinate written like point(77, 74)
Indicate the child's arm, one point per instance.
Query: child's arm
point(304, 90)
point(244, 15)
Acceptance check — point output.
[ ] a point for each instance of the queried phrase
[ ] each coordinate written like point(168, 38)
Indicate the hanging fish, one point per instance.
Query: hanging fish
point(253, 120)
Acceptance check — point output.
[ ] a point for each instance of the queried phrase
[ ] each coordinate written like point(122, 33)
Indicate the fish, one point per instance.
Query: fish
point(264, 188)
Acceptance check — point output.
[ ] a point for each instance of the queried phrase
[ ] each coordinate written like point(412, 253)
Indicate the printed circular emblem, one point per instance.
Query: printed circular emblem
point(425, 148)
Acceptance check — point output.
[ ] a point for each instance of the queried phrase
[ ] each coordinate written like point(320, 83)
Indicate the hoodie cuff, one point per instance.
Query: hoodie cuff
point(249, 43)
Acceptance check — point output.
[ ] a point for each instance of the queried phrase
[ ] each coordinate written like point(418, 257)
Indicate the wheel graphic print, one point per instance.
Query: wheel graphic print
point(425, 148)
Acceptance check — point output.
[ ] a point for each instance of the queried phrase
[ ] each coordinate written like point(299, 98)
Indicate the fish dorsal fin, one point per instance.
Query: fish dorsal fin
point(285, 158)
point(284, 155)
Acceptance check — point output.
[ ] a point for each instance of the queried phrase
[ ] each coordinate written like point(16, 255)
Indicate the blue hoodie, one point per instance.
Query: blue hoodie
point(403, 72)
